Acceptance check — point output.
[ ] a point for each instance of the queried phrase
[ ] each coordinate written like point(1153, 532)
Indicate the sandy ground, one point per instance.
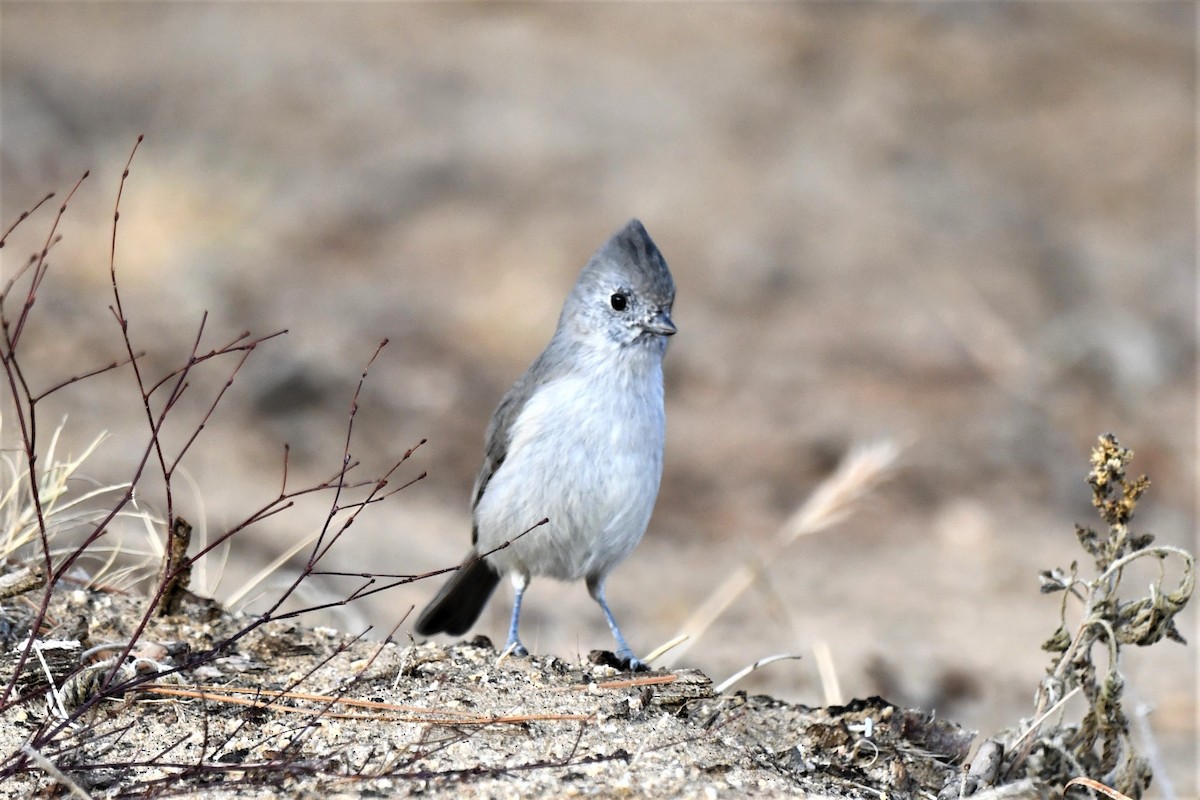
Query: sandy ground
point(969, 228)
point(290, 711)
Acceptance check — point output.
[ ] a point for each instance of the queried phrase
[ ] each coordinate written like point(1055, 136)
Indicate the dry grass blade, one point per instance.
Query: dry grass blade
point(1036, 725)
point(66, 506)
point(394, 713)
point(628, 683)
point(665, 648)
point(1096, 786)
point(54, 772)
point(861, 471)
point(746, 670)
point(242, 592)
point(831, 687)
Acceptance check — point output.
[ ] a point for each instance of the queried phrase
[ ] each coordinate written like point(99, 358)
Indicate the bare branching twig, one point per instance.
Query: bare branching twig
point(37, 506)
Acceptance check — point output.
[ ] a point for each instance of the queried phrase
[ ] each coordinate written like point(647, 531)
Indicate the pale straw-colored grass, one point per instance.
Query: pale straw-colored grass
point(860, 472)
point(72, 502)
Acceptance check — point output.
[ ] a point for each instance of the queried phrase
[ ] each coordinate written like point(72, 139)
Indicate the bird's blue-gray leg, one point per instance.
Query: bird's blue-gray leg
point(624, 652)
point(513, 645)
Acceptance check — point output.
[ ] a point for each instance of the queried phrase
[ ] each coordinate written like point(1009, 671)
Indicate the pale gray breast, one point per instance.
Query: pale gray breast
point(587, 453)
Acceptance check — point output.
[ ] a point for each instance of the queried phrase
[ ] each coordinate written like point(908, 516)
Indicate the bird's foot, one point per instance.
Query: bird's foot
point(623, 660)
point(514, 648)
point(632, 663)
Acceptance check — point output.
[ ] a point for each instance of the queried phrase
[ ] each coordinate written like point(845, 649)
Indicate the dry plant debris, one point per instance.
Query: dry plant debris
point(1047, 749)
point(292, 710)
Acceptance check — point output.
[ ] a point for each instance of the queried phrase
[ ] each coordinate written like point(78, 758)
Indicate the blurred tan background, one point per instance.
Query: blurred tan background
point(967, 227)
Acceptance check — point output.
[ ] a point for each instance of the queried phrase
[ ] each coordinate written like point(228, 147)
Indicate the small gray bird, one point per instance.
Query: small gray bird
point(577, 440)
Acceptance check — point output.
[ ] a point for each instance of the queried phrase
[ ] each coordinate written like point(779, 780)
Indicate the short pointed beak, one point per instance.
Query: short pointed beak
point(661, 324)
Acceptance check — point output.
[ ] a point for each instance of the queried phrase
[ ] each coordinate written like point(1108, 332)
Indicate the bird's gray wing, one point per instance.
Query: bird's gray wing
point(548, 366)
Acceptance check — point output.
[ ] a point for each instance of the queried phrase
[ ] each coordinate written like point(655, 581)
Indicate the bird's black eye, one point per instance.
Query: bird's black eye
point(619, 301)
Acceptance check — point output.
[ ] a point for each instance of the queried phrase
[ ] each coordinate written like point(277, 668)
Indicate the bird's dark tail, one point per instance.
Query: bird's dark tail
point(461, 600)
